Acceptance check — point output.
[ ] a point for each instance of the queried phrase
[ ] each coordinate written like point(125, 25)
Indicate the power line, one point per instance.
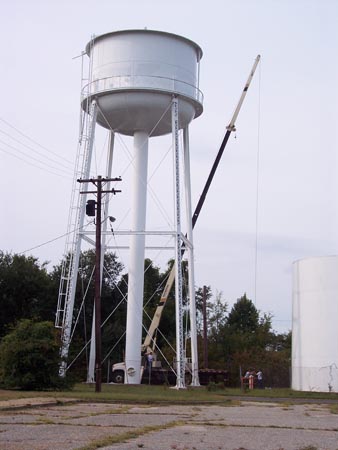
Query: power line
point(44, 243)
point(32, 140)
point(50, 241)
point(32, 157)
point(33, 150)
point(34, 165)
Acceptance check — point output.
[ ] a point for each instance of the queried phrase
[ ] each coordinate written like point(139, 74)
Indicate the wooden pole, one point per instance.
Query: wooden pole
point(205, 330)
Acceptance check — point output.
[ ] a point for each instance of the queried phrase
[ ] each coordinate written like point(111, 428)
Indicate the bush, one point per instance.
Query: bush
point(29, 357)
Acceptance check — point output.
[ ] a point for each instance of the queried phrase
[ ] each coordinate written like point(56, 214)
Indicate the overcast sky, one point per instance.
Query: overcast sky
point(286, 140)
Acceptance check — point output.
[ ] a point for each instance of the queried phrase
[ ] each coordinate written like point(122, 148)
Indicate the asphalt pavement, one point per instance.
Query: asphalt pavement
point(46, 424)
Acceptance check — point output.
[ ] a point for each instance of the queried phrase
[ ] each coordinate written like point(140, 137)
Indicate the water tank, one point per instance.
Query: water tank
point(314, 324)
point(135, 73)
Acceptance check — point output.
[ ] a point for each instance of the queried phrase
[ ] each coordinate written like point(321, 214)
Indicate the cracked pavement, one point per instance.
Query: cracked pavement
point(44, 424)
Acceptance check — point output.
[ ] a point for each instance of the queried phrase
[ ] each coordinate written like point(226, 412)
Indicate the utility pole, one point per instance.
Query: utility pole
point(205, 332)
point(90, 211)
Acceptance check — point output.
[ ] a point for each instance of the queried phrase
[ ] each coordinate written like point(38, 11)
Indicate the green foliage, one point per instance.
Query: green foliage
point(29, 357)
point(112, 292)
point(199, 305)
point(244, 339)
point(245, 330)
point(217, 316)
point(26, 290)
point(243, 317)
point(152, 283)
point(239, 338)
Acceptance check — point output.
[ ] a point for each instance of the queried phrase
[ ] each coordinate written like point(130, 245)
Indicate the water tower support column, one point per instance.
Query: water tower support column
point(180, 381)
point(190, 249)
point(136, 262)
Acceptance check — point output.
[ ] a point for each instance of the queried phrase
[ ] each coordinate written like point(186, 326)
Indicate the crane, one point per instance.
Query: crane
point(149, 343)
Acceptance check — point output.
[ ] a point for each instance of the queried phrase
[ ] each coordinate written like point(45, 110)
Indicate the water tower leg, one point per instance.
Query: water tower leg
point(92, 353)
point(136, 261)
point(180, 381)
point(190, 250)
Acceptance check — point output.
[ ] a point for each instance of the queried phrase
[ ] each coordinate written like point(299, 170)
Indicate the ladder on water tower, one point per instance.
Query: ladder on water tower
point(75, 226)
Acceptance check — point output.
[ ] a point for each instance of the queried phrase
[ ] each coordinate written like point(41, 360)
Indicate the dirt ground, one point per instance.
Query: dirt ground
point(43, 424)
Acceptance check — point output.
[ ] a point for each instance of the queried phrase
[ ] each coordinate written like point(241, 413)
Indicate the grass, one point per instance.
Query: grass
point(282, 393)
point(123, 437)
point(12, 394)
point(334, 409)
point(309, 447)
point(144, 394)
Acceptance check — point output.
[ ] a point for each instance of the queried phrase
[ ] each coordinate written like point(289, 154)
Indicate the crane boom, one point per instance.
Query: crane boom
point(170, 281)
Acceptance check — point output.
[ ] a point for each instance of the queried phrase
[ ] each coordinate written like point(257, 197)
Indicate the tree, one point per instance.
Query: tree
point(26, 290)
point(152, 289)
point(216, 322)
point(246, 330)
point(250, 343)
point(243, 317)
point(29, 357)
point(199, 306)
point(111, 297)
point(217, 316)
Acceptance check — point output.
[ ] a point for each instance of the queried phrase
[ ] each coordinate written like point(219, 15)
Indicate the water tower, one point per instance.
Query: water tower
point(143, 83)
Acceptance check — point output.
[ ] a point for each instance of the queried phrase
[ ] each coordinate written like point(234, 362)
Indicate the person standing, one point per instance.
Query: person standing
point(259, 375)
point(245, 380)
point(150, 360)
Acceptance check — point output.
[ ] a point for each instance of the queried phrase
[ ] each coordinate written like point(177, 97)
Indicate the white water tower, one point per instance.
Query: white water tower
point(135, 73)
point(143, 83)
point(314, 324)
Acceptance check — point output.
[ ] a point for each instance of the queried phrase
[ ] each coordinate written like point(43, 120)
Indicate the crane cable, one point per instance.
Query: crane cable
point(257, 177)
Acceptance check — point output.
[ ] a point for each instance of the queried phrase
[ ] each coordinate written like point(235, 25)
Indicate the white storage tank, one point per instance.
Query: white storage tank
point(134, 75)
point(314, 324)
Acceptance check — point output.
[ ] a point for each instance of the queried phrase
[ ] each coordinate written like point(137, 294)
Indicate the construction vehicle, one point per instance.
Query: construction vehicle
point(155, 373)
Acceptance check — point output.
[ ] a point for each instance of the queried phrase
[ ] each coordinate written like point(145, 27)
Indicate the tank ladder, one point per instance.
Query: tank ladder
point(75, 225)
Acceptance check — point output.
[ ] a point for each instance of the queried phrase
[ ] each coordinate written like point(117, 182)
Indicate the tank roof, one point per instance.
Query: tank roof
point(316, 258)
point(145, 30)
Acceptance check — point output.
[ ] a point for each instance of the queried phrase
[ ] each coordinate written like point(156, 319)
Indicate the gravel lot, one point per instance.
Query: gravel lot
point(43, 425)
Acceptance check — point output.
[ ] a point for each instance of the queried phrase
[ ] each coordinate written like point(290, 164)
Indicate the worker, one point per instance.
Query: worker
point(245, 380)
point(259, 375)
point(149, 359)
